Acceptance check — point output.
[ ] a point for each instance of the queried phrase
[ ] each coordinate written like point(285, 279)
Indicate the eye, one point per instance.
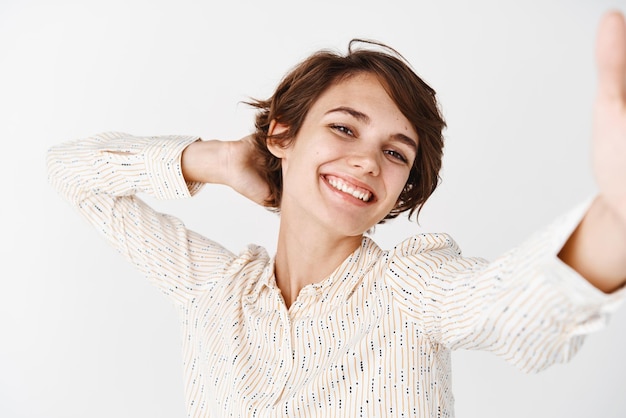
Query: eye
point(342, 129)
point(396, 155)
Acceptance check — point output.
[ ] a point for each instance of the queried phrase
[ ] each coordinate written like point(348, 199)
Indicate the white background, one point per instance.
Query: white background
point(83, 335)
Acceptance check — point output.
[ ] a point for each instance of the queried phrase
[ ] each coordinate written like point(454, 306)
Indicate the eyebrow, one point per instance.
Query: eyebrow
point(352, 112)
point(366, 119)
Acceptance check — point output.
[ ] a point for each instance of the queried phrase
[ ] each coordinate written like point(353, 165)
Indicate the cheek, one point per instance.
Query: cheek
point(399, 182)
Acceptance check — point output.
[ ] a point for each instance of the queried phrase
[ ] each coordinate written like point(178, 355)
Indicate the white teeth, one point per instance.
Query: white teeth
point(340, 185)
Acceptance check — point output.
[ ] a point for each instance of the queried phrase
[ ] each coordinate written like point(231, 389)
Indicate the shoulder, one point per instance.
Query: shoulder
point(426, 244)
point(240, 274)
point(253, 257)
point(430, 255)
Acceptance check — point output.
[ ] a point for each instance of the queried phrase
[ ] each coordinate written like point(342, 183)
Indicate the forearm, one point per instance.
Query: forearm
point(118, 164)
point(597, 248)
point(205, 162)
point(235, 164)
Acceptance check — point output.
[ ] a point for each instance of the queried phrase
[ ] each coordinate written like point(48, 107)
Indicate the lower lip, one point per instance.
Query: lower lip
point(345, 196)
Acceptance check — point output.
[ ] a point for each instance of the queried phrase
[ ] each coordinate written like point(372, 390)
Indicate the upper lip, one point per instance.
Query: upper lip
point(353, 181)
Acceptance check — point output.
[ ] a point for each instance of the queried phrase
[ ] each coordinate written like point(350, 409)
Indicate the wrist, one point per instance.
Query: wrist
point(203, 161)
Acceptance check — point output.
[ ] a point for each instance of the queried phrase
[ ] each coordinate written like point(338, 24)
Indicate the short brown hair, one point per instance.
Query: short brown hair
point(302, 86)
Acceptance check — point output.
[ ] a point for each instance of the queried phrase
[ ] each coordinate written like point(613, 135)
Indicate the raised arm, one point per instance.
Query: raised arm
point(102, 175)
point(232, 163)
point(597, 249)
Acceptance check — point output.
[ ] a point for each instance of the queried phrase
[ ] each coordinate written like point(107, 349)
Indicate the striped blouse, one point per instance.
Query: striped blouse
point(371, 340)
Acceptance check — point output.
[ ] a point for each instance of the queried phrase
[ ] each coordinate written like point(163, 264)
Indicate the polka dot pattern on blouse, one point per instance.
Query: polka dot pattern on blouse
point(372, 340)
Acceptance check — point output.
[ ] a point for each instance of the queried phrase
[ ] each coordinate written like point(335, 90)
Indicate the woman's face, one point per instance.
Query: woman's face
point(350, 159)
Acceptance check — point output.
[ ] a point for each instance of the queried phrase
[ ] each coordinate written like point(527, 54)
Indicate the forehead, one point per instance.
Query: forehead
point(355, 86)
point(365, 93)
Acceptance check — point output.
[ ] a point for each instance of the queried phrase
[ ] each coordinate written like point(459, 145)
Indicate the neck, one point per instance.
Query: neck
point(309, 256)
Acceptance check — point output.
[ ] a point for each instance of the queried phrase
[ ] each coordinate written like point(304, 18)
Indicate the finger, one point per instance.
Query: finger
point(611, 56)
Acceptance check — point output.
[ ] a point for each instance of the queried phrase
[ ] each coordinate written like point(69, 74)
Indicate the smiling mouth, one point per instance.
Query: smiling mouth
point(352, 190)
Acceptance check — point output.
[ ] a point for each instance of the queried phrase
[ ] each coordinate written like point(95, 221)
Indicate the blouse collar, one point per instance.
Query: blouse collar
point(337, 287)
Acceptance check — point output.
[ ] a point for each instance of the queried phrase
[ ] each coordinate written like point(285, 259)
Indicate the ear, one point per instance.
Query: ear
point(274, 146)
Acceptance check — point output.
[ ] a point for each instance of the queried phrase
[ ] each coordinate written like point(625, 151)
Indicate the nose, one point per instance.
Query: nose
point(366, 159)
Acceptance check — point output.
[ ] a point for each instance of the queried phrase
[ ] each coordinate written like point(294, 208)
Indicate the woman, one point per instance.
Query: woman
point(332, 325)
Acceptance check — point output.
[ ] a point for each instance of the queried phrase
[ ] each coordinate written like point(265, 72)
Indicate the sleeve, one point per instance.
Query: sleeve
point(527, 306)
point(101, 176)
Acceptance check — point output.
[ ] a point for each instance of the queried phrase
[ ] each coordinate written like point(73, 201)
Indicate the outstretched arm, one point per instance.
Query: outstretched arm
point(597, 249)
